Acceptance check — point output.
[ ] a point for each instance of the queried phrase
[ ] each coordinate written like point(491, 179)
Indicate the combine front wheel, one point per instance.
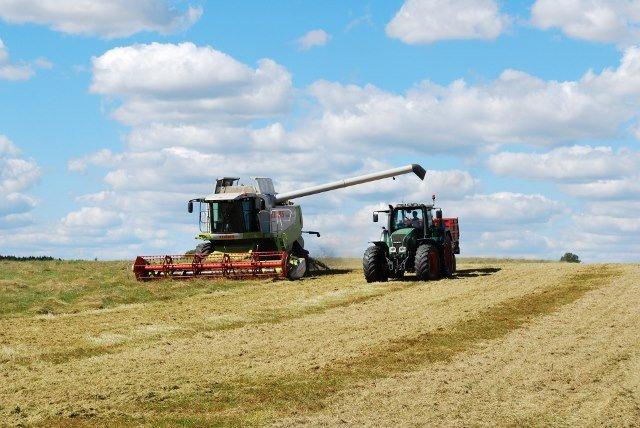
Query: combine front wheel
point(374, 264)
point(205, 249)
point(427, 262)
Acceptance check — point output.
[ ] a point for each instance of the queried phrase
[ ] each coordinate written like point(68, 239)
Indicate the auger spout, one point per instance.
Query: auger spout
point(415, 168)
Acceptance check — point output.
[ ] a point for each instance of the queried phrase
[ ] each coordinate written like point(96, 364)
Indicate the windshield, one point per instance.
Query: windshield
point(236, 216)
point(407, 217)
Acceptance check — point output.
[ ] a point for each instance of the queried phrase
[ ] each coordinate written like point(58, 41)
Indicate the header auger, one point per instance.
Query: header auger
point(251, 231)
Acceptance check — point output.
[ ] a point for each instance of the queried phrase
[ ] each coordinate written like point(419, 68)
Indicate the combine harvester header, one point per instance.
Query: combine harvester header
point(251, 231)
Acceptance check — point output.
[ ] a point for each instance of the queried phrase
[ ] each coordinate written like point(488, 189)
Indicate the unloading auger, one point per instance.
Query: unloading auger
point(250, 231)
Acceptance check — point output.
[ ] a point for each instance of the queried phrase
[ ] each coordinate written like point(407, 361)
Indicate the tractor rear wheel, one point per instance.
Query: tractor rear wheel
point(374, 264)
point(427, 262)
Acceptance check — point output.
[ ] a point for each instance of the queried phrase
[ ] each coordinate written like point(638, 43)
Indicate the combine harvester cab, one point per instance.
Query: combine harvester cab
point(250, 232)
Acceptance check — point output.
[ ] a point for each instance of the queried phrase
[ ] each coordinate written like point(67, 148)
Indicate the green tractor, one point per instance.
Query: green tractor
point(414, 240)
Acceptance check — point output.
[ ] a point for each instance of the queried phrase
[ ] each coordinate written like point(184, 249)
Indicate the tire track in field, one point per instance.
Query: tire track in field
point(249, 401)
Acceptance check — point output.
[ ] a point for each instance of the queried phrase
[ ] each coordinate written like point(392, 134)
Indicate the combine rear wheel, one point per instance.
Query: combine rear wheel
point(427, 262)
point(298, 262)
point(374, 264)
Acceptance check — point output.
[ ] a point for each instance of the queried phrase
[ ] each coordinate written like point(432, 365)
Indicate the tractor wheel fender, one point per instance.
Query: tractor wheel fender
point(382, 245)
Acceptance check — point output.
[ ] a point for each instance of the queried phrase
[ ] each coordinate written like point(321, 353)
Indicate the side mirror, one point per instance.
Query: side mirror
point(439, 214)
point(190, 207)
point(375, 217)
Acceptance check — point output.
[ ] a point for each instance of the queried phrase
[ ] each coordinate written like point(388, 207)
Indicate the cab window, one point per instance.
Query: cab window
point(407, 217)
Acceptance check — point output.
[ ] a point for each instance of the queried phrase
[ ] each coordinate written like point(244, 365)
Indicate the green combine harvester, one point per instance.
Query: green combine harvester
point(250, 231)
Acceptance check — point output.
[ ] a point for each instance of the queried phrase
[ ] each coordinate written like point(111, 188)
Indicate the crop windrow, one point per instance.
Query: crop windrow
point(259, 400)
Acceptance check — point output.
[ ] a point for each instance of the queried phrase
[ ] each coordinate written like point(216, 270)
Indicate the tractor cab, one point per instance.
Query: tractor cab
point(410, 216)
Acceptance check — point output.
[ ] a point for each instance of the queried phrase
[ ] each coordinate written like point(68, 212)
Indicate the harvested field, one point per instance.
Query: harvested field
point(504, 342)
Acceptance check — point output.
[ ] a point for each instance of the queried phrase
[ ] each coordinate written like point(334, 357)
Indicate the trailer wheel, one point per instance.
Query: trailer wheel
point(427, 262)
point(448, 258)
point(374, 264)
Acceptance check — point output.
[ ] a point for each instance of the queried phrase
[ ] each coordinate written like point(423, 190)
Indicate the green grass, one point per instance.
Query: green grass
point(56, 287)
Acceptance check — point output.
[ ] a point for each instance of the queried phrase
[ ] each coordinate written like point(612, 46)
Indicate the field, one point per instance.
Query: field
point(504, 342)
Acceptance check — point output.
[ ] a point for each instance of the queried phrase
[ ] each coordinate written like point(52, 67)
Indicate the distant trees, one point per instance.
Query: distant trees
point(570, 258)
point(26, 259)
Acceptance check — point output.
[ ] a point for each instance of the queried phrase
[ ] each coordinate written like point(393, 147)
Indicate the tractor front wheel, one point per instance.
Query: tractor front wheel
point(374, 264)
point(427, 262)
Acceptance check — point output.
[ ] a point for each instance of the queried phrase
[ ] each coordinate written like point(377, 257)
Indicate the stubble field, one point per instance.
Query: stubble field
point(503, 342)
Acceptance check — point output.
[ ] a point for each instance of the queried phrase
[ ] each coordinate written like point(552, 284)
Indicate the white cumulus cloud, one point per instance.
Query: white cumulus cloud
point(567, 163)
point(312, 39)
point(608, 21)
point(514, 108)
point(109, 19)
point(17, 175)
point(10, 71)
point(427, 21)
point(181, 83)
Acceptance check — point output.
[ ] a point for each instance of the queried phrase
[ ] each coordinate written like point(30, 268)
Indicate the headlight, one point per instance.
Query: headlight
point(392, 249)
point(402, 249)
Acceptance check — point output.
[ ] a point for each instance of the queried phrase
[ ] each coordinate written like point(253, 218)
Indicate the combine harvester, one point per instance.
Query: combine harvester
point(250, 232)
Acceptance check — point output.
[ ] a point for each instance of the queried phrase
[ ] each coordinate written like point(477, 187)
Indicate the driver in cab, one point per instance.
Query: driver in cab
point(415, 221)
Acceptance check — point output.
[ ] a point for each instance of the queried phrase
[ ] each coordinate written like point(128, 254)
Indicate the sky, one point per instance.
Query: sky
point(523, 113)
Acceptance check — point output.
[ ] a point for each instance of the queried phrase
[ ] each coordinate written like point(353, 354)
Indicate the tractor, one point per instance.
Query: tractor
point(250, 231)
point(414, 240)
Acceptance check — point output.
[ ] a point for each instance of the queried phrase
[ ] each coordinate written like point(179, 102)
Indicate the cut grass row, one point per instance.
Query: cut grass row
point(260, 400)
point(59, 286)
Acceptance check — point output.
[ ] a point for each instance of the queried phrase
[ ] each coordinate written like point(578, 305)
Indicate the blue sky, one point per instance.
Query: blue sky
point(524, 113)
